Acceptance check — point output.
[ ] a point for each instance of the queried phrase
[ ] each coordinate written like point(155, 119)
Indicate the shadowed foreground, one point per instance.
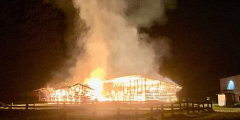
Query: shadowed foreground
point(208, 116)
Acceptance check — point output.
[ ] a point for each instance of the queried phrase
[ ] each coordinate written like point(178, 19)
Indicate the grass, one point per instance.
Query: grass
point(219, 113)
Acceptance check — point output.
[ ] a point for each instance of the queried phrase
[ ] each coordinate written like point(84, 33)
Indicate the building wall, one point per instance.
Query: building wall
point(224, 82)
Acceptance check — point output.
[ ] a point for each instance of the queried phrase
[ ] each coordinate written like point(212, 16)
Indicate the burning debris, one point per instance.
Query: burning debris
point(128, 88)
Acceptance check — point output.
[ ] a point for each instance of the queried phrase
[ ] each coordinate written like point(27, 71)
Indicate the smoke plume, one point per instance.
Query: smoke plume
point(111, 39)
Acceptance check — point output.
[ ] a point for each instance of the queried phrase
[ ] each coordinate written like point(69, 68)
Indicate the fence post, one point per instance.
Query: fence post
point(203, 106)
point(151, 112)
point(118, 112)
point(27, 106)
point(180, 105)
point(198, 107)
point(208, 105)
point(64, 112)
point(162, 111)
point(94, 114)
point(172, 109)
point(57, 105)
point(187, 108)
point(211, 105)
point(11, 106)
point(136, 113)
point(184, 105)
point(193, 107)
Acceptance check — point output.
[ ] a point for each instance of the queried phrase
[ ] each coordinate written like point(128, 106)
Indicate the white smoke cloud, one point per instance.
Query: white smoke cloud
point(113, 42)
point(111, 39)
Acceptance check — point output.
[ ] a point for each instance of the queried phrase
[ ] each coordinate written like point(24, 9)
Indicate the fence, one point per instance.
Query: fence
point(128, 110)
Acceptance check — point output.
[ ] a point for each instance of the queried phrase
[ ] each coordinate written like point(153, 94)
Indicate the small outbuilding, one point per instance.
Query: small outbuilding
point(230, 91)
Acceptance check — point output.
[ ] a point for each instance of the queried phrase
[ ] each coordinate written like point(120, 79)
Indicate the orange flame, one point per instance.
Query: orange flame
point(96, 82)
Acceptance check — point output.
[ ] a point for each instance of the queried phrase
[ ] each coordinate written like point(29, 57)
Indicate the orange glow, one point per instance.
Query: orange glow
point(137, 88)
point(96, 82)
point(127, 88)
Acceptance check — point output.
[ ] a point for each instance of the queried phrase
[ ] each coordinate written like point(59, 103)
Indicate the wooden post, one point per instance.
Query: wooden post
point(198, 107)
point(193, 107)
point(184, 105)
point(151, 112)
point(172, 109)
point(118, 112)
point(208, 105)
point(187, 108)
point(136, 113)
point(162, 111)
point(94, 114)
point(11, 106)
point(62, 115)
point(57, 105)
point(203, 106)
point(211, 105)
point(145, 87)
point(27, 106)
point(180, 105)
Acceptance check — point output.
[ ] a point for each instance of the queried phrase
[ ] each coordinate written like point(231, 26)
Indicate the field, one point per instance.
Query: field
point(219, 113)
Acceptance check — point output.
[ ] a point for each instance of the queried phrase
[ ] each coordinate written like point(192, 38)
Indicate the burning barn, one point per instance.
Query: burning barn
point(128, 88)
point(137, 88)
point(74, 93)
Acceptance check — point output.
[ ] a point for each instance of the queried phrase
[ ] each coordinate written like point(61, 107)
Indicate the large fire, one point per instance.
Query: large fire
point(128, 88)
point(96, 82)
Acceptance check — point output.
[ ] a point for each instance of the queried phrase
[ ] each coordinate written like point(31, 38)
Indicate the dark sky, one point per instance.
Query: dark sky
point(204, 39)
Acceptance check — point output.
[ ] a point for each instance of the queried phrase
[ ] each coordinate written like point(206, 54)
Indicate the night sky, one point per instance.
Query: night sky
point(204, 36)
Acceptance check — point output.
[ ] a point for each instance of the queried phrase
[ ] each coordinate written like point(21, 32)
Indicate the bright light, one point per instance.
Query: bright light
point(96, 82)
point(127, 88)
point(230, 85)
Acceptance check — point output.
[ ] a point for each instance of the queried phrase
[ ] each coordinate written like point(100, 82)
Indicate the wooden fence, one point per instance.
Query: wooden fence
point(122, 110)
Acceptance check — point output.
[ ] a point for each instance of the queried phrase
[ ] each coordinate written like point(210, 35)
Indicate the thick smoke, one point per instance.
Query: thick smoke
point(112, 40)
